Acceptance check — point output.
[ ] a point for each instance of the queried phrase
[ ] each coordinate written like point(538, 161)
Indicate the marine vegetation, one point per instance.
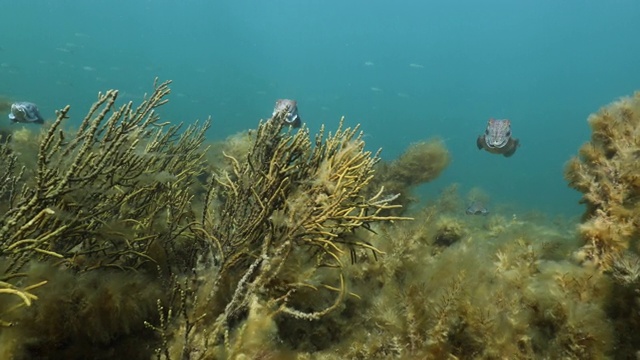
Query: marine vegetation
point(422, 162)
point(114, 197)
point(132, 238)
point(607, 172)
point(283, 219)
point(108, 198)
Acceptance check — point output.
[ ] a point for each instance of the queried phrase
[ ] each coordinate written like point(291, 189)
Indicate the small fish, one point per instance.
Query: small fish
point(497, 138)
point(476, 208)
point(25, 112)
point(291, 107)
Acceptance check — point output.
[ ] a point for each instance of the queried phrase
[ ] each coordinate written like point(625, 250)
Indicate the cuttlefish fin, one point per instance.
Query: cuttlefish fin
point(514, 145)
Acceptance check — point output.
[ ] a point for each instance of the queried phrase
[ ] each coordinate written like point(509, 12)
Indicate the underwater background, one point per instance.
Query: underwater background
point(407, 71)
point(126, 235)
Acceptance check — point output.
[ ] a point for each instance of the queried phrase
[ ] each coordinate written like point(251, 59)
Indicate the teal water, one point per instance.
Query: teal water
point(405, 70)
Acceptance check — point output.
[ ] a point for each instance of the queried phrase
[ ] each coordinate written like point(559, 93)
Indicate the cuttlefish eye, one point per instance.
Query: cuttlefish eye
point(486, 132)
point(509, 133)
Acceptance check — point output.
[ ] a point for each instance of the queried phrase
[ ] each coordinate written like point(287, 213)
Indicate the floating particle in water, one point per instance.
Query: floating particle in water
point(416, 66)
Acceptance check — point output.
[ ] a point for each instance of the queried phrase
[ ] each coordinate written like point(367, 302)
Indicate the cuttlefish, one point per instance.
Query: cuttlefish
point(497, 138)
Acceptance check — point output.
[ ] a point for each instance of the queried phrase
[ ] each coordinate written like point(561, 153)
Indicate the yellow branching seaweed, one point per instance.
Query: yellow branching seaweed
point(104, 195)
point(9, 174)
point(23, 294)
point(289, 199)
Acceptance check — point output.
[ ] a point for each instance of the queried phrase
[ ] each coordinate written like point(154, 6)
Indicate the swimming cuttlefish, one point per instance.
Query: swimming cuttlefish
point(497, 138)
point(25, 112)
point(291, 107)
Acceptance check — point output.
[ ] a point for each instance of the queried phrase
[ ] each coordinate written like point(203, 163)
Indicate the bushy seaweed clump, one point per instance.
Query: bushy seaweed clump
point(93, 222)
point(607, 172)
point(420, 163)
point(282, 219)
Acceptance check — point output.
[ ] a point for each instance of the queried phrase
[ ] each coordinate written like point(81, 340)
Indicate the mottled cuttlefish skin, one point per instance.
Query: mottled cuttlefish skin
point(476, 208)
point(25, 112)
point(291, 107)
point(497, 138)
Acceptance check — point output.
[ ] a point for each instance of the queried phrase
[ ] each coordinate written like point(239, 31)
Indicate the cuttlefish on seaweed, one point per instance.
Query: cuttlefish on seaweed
point(291, 107)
